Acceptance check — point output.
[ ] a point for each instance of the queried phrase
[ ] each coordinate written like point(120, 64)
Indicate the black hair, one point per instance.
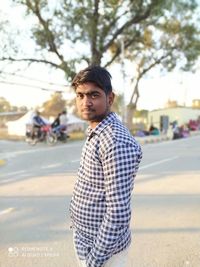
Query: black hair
point(95, 74)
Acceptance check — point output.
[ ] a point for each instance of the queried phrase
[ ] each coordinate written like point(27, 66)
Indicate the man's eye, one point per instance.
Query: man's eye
point(94, 96)
point(79, 96)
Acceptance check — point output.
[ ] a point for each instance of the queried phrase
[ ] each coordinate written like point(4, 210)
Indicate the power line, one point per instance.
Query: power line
point(33, 79)
point(32, 86)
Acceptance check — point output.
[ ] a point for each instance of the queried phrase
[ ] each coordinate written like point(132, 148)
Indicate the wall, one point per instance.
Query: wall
point(180, 114)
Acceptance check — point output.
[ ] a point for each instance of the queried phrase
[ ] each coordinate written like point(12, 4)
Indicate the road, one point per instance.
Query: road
point(36, 185)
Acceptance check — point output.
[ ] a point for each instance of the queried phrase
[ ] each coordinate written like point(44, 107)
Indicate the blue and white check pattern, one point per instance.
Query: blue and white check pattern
point(100, 206)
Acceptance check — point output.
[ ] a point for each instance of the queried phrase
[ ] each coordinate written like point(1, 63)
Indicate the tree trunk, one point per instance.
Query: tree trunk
point(129, 116)
point(96, 58)
point(131, 107)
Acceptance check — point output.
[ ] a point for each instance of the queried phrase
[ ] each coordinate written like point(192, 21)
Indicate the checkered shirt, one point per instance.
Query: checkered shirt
point(100, 208)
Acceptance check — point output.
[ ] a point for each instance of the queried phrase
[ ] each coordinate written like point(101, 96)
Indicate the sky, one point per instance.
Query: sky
point(38, 86)
point(155, 90)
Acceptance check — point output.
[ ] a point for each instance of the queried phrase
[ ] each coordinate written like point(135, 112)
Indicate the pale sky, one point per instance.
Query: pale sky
point(154, 91)
point(157, 91)
point(39, 76)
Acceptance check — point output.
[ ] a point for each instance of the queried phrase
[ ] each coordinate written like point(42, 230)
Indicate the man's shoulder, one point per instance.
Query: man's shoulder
point(116, 132)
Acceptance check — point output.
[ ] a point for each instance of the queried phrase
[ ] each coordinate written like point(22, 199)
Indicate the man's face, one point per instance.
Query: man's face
point(92, 103)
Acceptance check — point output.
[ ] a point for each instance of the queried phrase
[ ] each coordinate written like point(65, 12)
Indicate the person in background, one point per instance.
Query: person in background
point(38, 122)
point(63, 120)
point(100, 207)
point(56, 122)
point(153, 130)
point(60, 122)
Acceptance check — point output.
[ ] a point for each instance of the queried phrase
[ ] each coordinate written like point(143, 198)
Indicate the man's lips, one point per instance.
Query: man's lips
point(87, 110)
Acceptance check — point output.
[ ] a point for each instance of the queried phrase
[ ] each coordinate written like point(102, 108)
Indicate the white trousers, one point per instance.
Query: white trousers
point(117, 260)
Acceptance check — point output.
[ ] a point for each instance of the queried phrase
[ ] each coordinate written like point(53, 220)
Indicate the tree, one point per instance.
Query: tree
point(173, 43)
point(54, 106)
point(153, 32)
point(4, 105)
point(92, 26)
point(118, 104)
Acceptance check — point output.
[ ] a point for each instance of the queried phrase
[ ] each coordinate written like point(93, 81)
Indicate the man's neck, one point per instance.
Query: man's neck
point(93, 124)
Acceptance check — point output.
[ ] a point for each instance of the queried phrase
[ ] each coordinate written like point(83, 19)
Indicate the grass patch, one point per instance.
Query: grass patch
point(77, 136)
point(2, 162)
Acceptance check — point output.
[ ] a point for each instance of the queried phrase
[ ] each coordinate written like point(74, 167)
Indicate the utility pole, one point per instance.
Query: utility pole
point(124, 115)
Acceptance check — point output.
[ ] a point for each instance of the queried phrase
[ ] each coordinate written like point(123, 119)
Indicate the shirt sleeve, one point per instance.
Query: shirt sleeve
point(120, 164)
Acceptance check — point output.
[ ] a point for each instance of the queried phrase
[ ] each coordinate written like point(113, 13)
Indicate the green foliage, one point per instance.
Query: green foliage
point(4, 105)
point(154, 32)
point(55, 105)
point(97, 26)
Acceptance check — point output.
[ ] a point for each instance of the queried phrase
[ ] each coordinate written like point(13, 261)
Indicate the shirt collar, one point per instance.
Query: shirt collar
point(101, 126)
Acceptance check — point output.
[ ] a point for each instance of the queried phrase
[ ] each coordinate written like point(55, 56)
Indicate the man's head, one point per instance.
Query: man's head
point(94, 95)
point(94, 74)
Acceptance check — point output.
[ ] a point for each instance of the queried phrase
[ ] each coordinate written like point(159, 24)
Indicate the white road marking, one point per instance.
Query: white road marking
point(157, 163)
point(2, 212)
point(16, 172)
point(50, 166)
point(76, 160)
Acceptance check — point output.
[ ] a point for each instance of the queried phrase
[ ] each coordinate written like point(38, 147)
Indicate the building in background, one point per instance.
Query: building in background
point(166, 116)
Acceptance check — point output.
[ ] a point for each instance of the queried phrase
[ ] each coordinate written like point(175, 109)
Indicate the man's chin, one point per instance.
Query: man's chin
point(86, 116)
point(92, 118)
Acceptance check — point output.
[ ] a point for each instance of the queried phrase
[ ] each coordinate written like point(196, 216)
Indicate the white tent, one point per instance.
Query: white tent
point(75, 124)
point(18, 127)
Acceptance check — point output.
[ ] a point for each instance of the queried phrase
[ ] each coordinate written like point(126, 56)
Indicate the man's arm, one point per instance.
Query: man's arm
point(120, 165)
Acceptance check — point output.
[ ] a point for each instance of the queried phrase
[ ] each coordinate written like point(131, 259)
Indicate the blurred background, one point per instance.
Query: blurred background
point(151, 49)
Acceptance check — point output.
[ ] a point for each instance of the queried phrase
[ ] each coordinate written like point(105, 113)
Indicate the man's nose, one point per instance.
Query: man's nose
point(87, 101)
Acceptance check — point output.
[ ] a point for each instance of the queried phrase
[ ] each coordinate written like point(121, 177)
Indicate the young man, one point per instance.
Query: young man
point(101, 203)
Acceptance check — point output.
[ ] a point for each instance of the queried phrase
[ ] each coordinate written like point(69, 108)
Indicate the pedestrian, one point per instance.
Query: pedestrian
point(101, 202)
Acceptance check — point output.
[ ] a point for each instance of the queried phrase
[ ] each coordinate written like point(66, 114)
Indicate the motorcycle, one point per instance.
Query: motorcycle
point(40, 134)
point(60, 134)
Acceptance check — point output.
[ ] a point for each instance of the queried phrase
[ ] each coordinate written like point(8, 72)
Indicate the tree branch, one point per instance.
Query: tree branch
point(126, 25)
point(32, 60)
point(95, 52)
point(142, 73)
point(127, 44)
point(50, 38)
point(106, 31)
point(156, 62)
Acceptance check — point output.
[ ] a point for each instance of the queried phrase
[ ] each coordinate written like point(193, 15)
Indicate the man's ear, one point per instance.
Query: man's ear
point(111, 98)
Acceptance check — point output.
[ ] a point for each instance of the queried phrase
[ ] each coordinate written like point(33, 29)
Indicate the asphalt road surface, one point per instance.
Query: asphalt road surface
point(35, 190)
